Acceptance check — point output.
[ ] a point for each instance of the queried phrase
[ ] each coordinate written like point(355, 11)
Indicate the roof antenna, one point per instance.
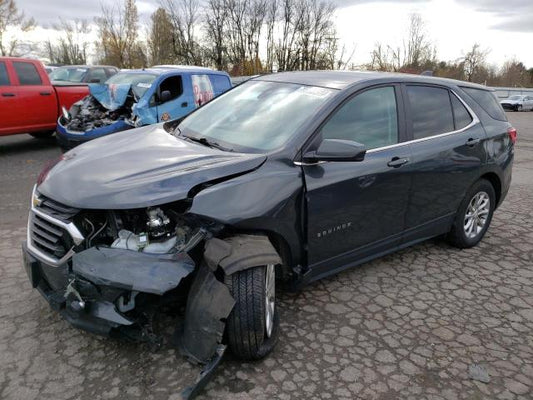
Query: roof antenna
point(427, 73)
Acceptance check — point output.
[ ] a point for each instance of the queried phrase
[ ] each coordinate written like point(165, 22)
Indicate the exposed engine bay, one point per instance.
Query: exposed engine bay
point(89, 113)
point(133, 264)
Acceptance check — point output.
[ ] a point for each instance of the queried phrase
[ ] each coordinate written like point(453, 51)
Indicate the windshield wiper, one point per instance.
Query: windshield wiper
point(206, 142)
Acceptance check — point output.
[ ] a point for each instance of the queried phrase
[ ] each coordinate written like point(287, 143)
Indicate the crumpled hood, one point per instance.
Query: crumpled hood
point(139, 168)
point(111, 96)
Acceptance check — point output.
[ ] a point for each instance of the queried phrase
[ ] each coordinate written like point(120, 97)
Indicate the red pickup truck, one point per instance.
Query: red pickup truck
point(29, 103)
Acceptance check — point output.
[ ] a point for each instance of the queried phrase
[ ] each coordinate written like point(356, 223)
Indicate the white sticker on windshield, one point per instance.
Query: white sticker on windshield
point(144, 85)
point(81, 69)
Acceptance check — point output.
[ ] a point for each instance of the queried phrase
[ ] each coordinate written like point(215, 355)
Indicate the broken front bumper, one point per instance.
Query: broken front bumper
point(96, 291)
point(67, 138)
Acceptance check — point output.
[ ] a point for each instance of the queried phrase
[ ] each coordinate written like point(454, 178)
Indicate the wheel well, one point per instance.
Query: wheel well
point(496, 184)
point(281, 246)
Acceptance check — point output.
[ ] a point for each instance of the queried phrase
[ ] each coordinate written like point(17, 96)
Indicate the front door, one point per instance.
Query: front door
point(354, 208)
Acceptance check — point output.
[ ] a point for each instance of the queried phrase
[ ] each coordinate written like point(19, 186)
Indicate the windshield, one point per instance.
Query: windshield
point(515, 98)
point(68, 74)
point(258, 115)
point(140, 82)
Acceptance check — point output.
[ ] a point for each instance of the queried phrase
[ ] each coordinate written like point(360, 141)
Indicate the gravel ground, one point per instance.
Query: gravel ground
point(418, 324)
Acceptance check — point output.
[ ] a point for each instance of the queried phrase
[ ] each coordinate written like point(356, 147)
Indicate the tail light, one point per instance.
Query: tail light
point(512, 134)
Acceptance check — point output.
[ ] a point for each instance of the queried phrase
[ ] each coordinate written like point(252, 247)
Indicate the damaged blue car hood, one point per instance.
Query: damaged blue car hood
point(111, 96)
point(139, 168)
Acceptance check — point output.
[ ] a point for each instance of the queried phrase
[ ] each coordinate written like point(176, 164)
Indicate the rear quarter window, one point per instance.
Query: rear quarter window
point(27, 73)
point(220, 83)
point(4, 78)
point(461, 115)
point(488, 102)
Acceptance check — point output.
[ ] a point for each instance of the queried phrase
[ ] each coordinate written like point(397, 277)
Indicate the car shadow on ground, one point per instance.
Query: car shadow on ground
point(29, 145)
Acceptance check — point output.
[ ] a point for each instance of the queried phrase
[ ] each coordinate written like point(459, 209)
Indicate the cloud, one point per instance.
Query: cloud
point(513, 15)
point(348, 3)
point(48, 12)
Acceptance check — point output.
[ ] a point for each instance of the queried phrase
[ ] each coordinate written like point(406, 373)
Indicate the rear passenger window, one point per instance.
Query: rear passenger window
point(461, 115)
point(27, 73)
point(369, 118)
point(487, 101)
point(431, 111)
point(97, 75)
point(220, 83)
point(4, 79)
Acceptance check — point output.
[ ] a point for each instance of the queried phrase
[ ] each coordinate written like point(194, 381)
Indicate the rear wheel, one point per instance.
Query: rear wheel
point(42, 135)
point(474, 215)
point(253, 325)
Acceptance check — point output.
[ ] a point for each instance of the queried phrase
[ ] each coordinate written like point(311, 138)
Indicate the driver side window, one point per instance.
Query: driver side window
point(369, 118)
point(173, 85)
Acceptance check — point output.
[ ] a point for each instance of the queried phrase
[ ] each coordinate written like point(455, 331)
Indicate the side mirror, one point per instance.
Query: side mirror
point(337, 150)
point(95, 80)
point(165, 96)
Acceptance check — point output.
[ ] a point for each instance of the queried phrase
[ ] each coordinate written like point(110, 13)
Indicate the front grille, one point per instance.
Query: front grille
point(48, 237)
point(56, 209)
point(51, 231)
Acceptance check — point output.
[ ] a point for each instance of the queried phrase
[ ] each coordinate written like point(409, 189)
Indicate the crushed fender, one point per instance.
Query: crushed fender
point(208, 305)
point(240, 252)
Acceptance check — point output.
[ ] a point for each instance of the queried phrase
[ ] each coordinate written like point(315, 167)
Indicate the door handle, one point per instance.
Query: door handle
point(8, 94)
point(472, 142)
point(184, 104)
point(397, 162)
point(45, 93)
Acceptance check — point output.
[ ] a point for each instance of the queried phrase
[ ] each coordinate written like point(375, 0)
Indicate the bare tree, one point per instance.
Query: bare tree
point(474, 63)
point(72, 44)
point(215, 27)
point(185, 16)
point(11, 17)
point(118, 36)
point(160, 38)
point(415, 54)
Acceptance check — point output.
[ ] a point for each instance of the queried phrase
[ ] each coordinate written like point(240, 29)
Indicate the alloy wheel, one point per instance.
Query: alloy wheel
point(476, 215)
point(270, 298)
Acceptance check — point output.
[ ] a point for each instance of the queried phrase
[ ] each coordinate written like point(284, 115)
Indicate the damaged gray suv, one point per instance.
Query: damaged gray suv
point(286, 178)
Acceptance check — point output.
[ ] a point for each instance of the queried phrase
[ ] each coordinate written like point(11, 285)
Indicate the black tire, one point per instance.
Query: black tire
point(457, 236)
point(518, 108)
point(246, 328)
point(42, 135)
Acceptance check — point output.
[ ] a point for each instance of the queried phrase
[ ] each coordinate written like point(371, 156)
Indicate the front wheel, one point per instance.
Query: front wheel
point(253, 325)
point(519, 108)
point(474, 215)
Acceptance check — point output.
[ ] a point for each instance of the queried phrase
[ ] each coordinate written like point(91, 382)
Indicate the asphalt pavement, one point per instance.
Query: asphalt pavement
point(428, 322)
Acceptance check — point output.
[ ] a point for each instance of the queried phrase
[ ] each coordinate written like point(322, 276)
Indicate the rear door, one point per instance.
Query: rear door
point(447, 146)
point(8, 97)
point(354, 209)
point(36, 103)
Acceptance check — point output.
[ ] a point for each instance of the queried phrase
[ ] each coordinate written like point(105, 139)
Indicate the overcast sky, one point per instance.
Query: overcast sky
point(504, 26)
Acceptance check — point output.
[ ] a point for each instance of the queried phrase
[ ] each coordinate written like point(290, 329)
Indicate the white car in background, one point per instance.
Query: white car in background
point(518, 103)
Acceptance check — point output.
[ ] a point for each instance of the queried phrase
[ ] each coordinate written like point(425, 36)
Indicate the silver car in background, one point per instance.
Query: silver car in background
point(518, 103)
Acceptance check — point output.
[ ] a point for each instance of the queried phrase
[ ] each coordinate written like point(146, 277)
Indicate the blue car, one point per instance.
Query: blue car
point(134, 98)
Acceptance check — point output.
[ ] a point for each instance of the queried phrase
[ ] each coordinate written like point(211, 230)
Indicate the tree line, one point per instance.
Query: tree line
point(246, 37)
